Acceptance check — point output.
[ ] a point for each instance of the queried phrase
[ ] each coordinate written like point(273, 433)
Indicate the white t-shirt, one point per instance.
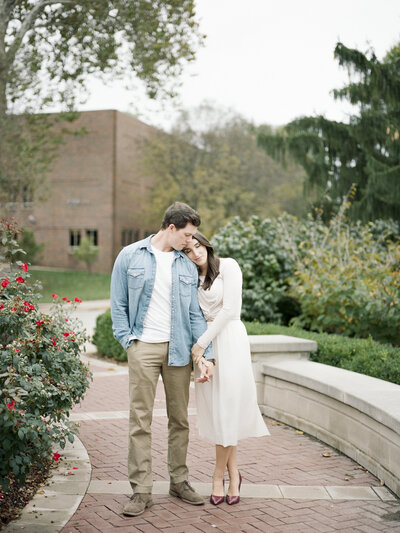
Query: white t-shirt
point(157, 323)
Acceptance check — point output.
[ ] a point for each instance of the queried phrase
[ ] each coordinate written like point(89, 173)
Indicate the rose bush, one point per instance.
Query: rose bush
point(41, 375)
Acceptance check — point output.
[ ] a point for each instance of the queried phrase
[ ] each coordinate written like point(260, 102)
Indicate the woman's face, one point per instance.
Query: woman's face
point(197, 253)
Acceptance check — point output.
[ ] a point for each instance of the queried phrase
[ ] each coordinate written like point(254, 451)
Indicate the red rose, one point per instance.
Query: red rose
point(65, 298)
point(56, 456)
point(5, 282)
point(77, 300)
point(24, 267)
point(66, 334)
point(12, 405)
point(20, 279)
point(39, 323)
point(54, 296)
point(1, 306)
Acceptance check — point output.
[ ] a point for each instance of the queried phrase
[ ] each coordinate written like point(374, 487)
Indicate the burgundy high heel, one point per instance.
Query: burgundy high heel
point(231, 500)
point(216, 500)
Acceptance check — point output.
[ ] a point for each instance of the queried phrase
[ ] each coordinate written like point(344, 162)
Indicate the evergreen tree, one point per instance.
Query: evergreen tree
point(365, 151)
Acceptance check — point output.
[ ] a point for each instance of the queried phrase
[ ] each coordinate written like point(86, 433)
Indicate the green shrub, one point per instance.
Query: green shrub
point(33, 250)
point(338, 278)
point(86, 252)
point(347, 280)
point(41, 375)
point(104, 340)
point(359, 355)
point(256, 246)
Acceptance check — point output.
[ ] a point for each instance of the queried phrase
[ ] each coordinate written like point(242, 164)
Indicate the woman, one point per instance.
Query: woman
point(227, 405)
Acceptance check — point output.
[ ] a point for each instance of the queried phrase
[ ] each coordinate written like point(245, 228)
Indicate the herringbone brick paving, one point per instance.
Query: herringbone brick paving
point(284, 458)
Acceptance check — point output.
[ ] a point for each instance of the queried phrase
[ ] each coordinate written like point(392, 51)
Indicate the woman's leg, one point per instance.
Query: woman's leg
point(222, 454)
point(233, 489)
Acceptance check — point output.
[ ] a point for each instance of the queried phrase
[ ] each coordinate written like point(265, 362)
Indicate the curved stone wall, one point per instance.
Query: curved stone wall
point(356, 414)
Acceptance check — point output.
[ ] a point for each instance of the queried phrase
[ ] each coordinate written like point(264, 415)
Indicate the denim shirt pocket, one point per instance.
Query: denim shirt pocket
point(185, 285)
point(135, 278)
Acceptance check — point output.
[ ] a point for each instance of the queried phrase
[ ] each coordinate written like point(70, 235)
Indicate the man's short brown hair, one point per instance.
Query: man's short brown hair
point(180, 214)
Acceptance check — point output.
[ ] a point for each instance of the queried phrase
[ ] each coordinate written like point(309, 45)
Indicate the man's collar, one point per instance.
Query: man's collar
point(147, 244)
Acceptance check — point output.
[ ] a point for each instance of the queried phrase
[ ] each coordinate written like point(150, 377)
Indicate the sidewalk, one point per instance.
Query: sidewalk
point(291, 482)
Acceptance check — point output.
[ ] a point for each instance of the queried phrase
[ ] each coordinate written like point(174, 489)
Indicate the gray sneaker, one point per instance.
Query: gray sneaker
point(186, 493)
point(137, 504)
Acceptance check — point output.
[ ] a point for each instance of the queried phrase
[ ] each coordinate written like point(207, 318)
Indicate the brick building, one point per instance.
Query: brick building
point(94, 189)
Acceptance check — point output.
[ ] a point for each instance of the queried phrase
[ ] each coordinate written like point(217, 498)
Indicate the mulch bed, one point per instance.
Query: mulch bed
point(15, 499)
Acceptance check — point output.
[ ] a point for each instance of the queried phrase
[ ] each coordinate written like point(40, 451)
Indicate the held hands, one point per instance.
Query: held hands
point(206, 369)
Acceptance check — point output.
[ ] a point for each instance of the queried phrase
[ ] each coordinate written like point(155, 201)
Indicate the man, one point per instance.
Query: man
point(156, 318)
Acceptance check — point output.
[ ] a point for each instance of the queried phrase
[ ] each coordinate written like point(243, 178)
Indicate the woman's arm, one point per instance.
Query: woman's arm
point(232, 298)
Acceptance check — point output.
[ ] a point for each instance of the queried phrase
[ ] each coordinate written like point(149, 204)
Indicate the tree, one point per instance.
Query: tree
point(48, 48)
point(87, 253)
point(365, 151)
point(211, 161)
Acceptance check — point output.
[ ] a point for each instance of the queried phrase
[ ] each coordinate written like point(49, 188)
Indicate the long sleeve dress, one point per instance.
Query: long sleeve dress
point(227, 408)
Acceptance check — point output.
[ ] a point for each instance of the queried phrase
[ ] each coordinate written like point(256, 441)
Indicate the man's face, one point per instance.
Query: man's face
point(180, 238)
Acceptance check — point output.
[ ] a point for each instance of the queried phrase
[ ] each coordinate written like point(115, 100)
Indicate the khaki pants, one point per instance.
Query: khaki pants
point(146, 362)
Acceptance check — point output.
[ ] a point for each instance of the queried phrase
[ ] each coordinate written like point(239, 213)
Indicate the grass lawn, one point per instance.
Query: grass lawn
point(71, 283)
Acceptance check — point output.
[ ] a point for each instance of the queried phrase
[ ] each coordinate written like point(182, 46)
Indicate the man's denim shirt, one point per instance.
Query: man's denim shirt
point(132, 283)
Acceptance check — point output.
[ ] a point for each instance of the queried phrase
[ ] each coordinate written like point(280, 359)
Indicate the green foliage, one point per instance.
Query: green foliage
point(345, 276)
point(32, 249)
point(365, 151)
point(41, 375)
point(151, 39)
point(256, 246)
point(359, 355)
point(346, 280)
point(104, 340)
point(86, 252)
point(211, 161)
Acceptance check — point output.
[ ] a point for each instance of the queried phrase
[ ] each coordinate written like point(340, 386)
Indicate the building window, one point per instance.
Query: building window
point(92, 235)
point(74, 238)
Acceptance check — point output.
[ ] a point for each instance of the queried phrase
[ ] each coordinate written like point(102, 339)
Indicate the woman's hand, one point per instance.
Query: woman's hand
point(197, 353)
point(206, 369)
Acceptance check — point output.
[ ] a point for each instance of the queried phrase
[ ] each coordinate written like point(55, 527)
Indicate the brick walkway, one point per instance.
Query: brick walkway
point(286, 465)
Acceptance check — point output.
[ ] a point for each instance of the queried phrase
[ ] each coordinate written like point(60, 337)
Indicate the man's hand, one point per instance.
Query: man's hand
point(206, 369)
point(197, 353)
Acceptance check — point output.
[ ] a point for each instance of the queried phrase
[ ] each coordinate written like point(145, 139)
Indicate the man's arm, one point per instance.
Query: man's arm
point(119, 301)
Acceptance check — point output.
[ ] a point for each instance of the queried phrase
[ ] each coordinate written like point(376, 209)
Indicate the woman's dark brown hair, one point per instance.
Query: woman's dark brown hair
point(213, 260)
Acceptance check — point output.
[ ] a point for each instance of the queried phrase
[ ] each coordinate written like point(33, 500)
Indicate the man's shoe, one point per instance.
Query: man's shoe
point(186, 493)
point(137, 504)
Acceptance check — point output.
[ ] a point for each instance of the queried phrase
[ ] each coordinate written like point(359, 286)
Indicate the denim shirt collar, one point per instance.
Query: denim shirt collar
point(147, 244)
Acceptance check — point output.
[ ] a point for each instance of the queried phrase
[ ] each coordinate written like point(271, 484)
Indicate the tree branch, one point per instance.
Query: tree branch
point(28, 24)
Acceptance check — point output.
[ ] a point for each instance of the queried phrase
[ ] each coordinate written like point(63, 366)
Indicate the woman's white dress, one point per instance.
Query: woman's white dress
point(227, 408)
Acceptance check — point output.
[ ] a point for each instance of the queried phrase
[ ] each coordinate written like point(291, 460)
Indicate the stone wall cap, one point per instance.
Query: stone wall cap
point(280, 343)
point(375, 397)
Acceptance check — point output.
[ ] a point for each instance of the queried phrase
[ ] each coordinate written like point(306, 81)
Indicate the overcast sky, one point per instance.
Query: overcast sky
point(269, 60)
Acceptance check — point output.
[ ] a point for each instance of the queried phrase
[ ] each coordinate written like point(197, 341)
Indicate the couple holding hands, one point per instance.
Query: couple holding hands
point(173, 299)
